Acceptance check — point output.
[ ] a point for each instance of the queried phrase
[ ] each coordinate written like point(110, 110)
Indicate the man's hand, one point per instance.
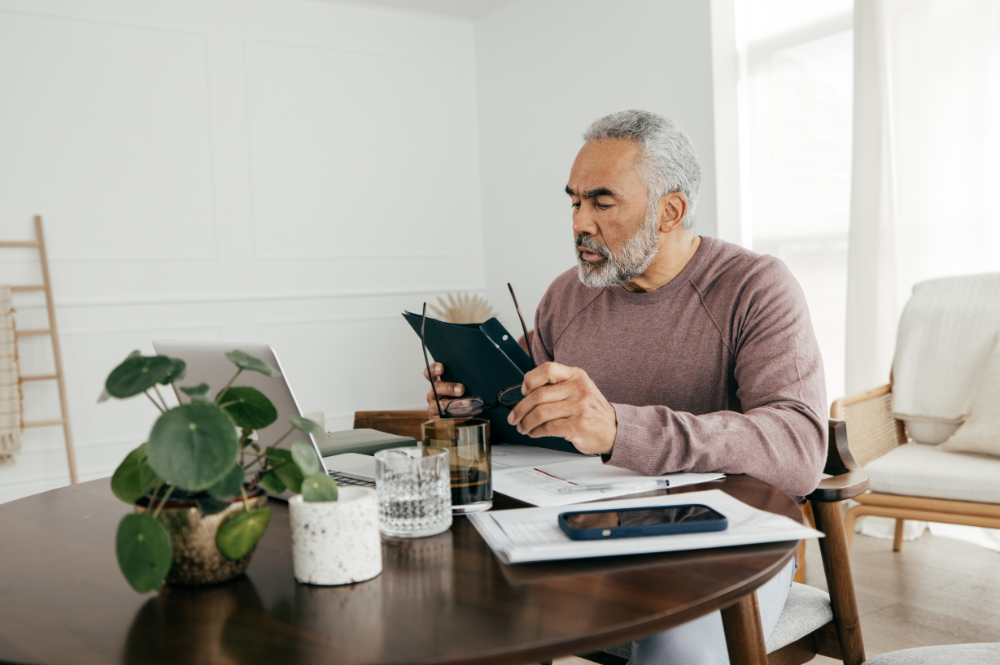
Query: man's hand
point(563, 401)
point(444, 391)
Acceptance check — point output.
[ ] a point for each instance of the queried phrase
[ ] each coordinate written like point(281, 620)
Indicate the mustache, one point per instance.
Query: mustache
point(586, 242)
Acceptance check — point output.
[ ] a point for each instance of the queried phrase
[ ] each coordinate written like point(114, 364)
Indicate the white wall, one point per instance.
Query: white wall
point(256, 170)
point(546, 69)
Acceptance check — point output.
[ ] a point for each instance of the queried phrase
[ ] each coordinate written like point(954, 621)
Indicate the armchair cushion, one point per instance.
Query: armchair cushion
point(916, 470)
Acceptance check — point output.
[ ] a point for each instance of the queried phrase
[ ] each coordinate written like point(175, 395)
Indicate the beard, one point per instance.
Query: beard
point(621, 268)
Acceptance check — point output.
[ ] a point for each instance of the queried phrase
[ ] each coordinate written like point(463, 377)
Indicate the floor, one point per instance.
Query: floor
point(936, 591)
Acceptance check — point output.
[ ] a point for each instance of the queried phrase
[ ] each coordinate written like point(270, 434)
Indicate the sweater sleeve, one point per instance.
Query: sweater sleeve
point(779, 433)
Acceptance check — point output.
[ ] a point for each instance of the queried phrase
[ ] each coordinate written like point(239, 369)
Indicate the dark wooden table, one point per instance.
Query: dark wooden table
point(444, 599)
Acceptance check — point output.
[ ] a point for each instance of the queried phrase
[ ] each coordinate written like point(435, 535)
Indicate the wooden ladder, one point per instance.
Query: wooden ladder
point(46, 286)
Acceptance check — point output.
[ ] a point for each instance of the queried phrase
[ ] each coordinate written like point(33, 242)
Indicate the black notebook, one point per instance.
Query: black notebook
point(486, 359)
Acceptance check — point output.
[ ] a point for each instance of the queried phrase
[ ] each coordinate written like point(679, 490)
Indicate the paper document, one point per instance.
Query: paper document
point(533, 534)
point(536, 476)
point(512, 456)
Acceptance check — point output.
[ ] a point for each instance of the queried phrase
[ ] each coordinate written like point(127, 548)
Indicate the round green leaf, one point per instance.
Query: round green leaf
point(137, 374)
point(272, 483)
point(286, 469)
point(198, 393)
point(237, 537)
point(229, 485)
point(305, 457)
point(144, 553)
point(178, 368)
point(319, 487)
point(193, 446)
point(305, 425)
point(248, 407)
point(245, 361)
point(133, 477)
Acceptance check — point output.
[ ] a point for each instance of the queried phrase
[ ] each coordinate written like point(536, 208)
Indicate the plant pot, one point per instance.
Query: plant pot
point(336, 542)
point(192, 525)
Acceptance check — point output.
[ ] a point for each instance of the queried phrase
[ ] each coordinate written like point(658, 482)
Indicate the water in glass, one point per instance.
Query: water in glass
point(414, 491)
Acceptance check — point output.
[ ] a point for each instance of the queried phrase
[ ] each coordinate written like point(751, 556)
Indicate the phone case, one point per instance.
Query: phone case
point(636, 531)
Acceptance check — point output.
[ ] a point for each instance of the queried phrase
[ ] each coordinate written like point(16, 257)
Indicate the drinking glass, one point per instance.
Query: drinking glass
point(468, 443)
point(414, 491)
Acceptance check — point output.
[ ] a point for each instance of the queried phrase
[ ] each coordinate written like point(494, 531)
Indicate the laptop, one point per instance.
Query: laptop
point(207, 363)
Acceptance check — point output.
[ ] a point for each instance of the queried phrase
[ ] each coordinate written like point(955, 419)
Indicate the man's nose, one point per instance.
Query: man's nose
point(583, 223)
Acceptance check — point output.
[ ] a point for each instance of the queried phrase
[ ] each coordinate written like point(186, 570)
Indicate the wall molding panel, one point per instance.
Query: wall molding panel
point(137, 127)
point(336, 106)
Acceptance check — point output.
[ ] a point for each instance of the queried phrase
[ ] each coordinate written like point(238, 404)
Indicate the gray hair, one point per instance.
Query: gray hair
point(668, 162)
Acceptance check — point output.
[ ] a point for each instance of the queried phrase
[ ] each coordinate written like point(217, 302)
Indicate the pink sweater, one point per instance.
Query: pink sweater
point(719, 370)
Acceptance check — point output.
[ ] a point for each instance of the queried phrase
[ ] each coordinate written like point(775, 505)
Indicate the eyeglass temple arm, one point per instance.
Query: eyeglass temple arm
point(427, 363)
point(527, 340)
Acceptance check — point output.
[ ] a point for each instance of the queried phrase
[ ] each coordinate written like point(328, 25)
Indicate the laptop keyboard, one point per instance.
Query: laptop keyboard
point(347, 479)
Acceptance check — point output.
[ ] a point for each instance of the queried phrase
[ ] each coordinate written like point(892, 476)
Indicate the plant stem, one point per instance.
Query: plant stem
point(156, 491)
point(159, 508)
point(258, 457)
point(218, 398)
point(146, 393)
point(246, 508)
point(283, 437)
point(165, 407)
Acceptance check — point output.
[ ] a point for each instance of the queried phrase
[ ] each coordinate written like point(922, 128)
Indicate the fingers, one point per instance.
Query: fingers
point(541, 395)
point(444, 388)
point(560, 427)
point(548, 373)
point(545, 413)
point(437, 369)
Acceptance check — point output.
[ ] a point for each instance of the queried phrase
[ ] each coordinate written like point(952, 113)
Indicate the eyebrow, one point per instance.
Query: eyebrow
point(591, 193)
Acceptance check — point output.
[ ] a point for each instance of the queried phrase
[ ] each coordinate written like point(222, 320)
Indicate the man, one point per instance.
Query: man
point(665, 351)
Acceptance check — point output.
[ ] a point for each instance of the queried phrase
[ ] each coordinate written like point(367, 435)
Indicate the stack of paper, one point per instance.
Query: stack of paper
point(533, 534)
point(536, 476)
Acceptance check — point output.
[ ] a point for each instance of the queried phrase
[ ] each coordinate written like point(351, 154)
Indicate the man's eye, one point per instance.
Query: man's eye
point(575, 205)
point(603, 206)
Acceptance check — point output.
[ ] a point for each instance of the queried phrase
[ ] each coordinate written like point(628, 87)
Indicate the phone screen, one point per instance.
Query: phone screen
point(642, 517)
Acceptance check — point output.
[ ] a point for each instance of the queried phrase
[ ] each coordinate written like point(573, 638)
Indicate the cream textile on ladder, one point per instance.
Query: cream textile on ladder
point(10, 389)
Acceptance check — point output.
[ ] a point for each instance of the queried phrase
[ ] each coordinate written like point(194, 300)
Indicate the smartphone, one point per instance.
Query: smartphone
point(636, 522)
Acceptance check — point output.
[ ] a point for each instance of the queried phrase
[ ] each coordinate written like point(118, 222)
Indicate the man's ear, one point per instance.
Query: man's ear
point(670, 211)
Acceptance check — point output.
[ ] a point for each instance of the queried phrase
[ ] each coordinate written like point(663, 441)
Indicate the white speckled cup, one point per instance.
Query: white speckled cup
point(336, 542)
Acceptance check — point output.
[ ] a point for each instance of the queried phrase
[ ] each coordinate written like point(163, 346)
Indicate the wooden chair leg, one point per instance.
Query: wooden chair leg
point(897, 537)
point(744, 632)
point(807, 516)
point(850, 520)
point(836, 557)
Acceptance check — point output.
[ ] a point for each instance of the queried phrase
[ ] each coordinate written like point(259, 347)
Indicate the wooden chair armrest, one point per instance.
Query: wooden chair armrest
point(837, 409)
point(874, 430)
point(847, 479)
point(840, 488)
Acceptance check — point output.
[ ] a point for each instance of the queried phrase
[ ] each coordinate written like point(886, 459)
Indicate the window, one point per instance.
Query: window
point(795, 108)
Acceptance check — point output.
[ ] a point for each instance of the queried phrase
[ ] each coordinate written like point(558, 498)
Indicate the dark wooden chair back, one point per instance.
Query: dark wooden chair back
point(400, 423)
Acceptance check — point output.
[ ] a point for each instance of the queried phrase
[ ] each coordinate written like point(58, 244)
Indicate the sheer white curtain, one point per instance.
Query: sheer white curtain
point(925, 198)
point(925, 190)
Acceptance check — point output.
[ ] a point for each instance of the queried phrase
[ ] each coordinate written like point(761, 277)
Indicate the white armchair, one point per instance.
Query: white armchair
point(944, 350)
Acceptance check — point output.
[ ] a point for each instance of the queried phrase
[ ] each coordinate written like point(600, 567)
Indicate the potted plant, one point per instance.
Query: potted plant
point(335, 536)
point(198, 483)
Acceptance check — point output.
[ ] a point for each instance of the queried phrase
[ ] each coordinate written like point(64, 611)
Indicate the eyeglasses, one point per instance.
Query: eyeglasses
point(473, 406)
